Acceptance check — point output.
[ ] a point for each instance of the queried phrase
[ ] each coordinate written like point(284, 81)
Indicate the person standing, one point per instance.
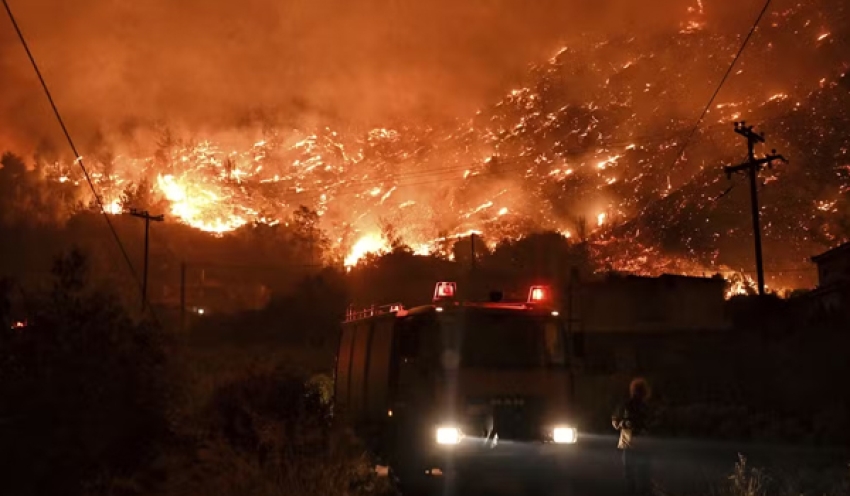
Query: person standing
point(632, 419)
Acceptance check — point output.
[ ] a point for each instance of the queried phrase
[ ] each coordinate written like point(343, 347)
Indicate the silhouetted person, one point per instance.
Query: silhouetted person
point(632, 420)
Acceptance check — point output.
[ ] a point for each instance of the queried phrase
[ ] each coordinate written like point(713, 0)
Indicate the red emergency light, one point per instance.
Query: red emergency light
point(445, 291)
point(539, 294)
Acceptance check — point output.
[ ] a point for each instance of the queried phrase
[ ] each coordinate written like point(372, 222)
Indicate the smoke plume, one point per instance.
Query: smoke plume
point(211, 64)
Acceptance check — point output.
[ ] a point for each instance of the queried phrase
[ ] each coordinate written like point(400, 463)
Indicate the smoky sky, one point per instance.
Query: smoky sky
point(112, 63)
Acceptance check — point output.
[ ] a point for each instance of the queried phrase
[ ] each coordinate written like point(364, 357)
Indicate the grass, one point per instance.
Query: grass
point(746, 480)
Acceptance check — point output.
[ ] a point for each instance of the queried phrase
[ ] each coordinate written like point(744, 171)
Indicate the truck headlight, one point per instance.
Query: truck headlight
point(448, 435)
point(564, 435)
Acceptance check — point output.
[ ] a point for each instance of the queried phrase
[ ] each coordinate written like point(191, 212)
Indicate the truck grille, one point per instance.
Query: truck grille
point(513, 417)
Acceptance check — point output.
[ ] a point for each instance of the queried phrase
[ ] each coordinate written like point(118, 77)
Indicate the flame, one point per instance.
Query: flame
point(528, 163)
point(196, 205)
point(370, 243)
point(114, 207)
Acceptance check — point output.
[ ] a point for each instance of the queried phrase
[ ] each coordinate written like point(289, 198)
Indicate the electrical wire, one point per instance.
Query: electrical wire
point(781, 271)
point(432, 173)
point(705, 110)
point(720, 85)
point(350, 187)
point(77, 158)
point(646, 139)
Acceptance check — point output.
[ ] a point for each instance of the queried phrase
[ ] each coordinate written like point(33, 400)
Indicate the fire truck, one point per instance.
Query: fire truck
point(439, 389)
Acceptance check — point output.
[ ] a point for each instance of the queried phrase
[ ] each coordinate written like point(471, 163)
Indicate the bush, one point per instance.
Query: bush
point(786, 481)
point(271, 433)
point(746, 481)
point(83, 389)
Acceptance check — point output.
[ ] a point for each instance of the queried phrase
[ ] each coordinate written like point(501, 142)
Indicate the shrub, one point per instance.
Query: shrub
point(271, 433)
point(83, 389)
point(808, 480)
point(746, 481)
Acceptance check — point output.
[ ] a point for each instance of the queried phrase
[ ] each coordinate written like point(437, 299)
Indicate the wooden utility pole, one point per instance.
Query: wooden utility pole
point(472, 252)
point(148, 218)
point(183, 297)
point(575, 342)
point(752, 167)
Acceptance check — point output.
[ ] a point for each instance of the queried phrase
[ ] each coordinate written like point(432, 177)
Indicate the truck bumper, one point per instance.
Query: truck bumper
point(474, 455)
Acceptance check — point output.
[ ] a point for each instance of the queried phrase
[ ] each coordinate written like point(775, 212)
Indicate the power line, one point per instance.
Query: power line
point(780, 271)
point(430, 176)
point(77, 157)
point(441, 171)
point(720, 85)
point(643, 139)
point(705, 110)
point(349, 187)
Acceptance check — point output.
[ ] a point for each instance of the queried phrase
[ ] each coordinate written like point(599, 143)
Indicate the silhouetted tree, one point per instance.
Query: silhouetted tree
point(271, 433)
point(165, 144)
point(83, 389)
point(27, 199)
point(462, 250)
point(137, 195)
point(391, 235)
point(315, 243)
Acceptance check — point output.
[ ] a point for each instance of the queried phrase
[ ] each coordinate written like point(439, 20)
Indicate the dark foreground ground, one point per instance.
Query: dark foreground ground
point(592, 468)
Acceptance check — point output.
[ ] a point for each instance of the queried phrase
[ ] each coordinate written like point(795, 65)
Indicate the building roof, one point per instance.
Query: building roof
point(843, 249)
point(663, 278)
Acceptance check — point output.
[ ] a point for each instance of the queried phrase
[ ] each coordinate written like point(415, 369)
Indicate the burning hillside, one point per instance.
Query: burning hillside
point(593, 134)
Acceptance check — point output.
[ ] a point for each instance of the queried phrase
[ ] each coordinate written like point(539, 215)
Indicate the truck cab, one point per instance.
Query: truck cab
point(438, 387)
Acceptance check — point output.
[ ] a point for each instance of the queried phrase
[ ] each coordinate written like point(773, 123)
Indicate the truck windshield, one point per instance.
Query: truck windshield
point(498, 339)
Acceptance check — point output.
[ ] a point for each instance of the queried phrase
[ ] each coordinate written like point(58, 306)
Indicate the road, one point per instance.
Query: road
point(592, 468)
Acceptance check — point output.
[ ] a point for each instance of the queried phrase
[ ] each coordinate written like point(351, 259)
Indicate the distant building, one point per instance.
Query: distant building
point(833, 266)
point(628, 324)
point(636, 304)
point(830, 301)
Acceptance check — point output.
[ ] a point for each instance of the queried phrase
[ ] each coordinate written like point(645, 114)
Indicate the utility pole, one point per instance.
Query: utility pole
point(575, 343)
point(472, 252)
point(752, 167)
point(183, 297)
point(148, 218)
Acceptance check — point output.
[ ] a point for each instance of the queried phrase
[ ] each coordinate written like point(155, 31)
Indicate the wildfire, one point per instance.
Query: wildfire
point(114, 207)
point(370, 243)
point(550, 160)
point(197, 206)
